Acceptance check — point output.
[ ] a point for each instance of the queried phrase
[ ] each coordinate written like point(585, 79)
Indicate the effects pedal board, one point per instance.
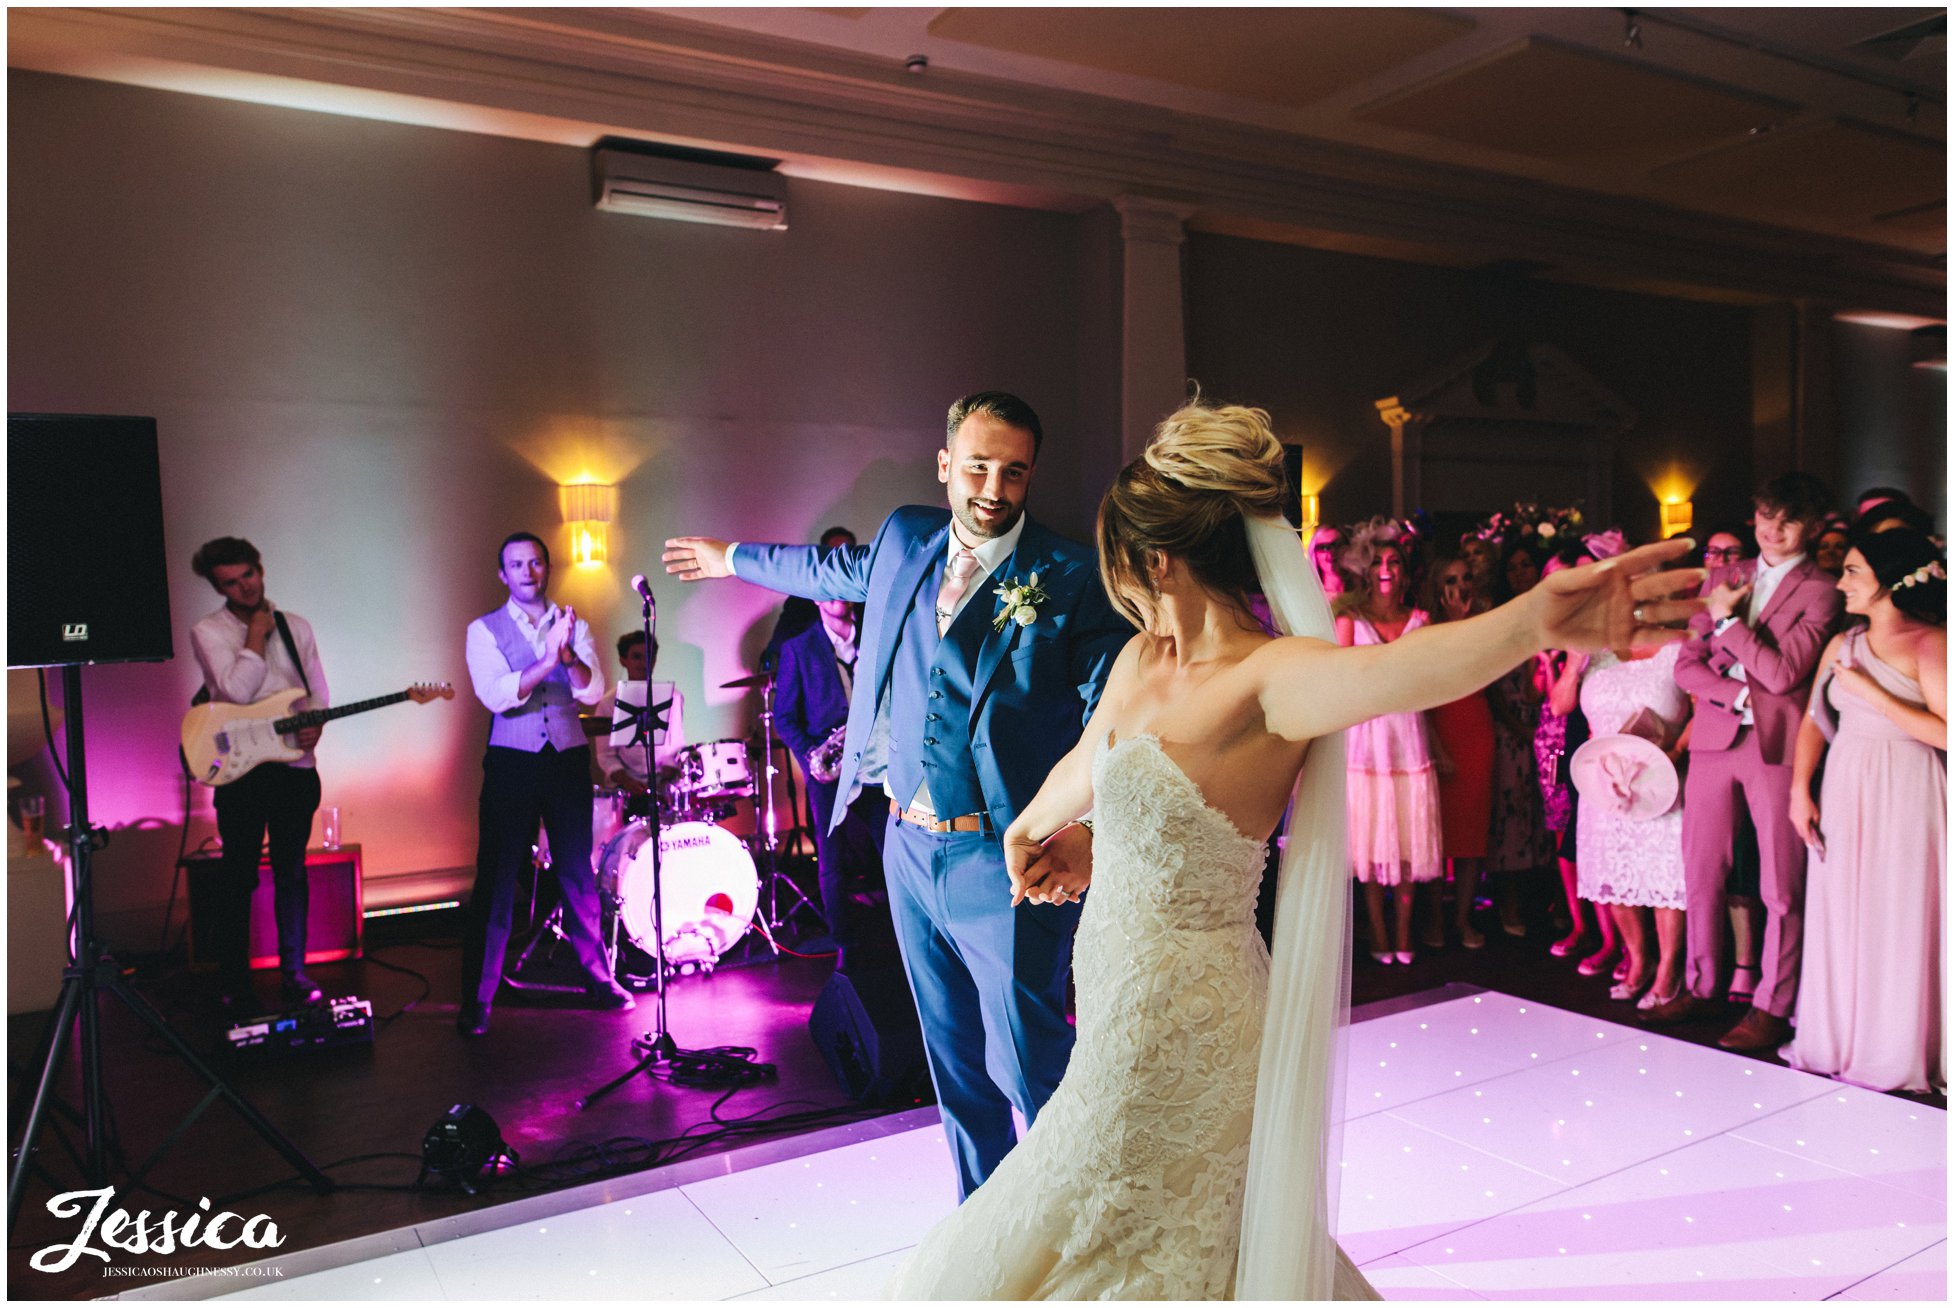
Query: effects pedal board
point(330, 1024)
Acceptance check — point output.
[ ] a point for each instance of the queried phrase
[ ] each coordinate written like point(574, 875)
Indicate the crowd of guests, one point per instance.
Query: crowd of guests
point(1751, 820)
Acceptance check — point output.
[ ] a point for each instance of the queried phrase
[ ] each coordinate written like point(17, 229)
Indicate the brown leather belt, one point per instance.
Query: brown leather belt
point(917, 817)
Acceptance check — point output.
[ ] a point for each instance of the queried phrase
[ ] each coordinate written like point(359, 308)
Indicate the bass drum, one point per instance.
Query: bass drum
point(711, 891)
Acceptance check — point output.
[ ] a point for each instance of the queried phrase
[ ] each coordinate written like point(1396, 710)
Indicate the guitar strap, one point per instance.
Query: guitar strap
point(291, 647)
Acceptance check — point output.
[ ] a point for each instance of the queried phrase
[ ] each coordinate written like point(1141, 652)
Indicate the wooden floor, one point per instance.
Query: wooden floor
point(377, 1104)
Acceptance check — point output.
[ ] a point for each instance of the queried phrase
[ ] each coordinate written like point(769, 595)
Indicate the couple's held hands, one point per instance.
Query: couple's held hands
point(697, 558)
point(1625, 602)
point(1056, 870)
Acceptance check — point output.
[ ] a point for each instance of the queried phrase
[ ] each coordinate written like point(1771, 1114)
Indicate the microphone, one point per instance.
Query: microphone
point(643, 587)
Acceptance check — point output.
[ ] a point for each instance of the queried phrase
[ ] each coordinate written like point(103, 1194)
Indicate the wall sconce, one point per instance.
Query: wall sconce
point(1312, 511)
point(588, 510)
point(1677, 517)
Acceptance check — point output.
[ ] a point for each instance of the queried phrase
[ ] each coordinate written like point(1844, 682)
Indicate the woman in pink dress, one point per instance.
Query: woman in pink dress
point(1869, 997)
point(1393, 787)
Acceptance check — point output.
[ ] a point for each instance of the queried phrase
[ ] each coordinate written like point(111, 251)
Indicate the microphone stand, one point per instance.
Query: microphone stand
point(655, 1045)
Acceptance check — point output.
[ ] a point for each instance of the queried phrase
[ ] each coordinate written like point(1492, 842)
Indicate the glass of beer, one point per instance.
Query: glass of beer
point(33, 818)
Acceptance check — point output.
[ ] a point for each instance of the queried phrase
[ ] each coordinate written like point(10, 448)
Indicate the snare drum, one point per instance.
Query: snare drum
point(715, 769)
point(711, 890)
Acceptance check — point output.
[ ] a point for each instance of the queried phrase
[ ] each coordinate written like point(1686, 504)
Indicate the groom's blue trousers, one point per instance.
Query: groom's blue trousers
point(989, 981)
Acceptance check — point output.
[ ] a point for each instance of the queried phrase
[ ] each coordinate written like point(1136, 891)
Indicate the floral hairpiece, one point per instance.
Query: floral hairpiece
point(1921, 575)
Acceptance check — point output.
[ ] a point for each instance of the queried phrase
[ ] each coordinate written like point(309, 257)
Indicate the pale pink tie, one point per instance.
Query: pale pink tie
point(956, 580)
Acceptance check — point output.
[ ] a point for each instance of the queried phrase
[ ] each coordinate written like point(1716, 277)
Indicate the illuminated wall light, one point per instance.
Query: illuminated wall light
point(1677, 517)
point(1312, 511)
point(588, 510)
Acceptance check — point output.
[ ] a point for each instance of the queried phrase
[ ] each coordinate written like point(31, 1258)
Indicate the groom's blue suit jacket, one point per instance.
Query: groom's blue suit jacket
point(1027, 691)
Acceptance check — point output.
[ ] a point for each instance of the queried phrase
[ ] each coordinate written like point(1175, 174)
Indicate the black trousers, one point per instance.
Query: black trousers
point(275, 800)
point(854, 846)
point(520, 790)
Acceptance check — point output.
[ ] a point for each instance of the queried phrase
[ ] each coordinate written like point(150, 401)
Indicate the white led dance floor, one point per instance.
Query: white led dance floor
point(1495, 1148)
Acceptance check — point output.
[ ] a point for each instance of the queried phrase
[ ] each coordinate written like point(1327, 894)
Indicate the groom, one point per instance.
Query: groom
point(958, 723)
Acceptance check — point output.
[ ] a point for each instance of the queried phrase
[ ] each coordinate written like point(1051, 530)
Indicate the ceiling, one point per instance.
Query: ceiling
point(1729, 153)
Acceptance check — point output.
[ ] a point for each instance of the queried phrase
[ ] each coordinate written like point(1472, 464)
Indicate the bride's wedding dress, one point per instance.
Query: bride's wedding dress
point(1131, 1183)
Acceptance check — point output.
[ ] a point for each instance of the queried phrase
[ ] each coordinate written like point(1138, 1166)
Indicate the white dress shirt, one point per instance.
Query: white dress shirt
point(236, 675)
point(499, 686)
point(1764, 583)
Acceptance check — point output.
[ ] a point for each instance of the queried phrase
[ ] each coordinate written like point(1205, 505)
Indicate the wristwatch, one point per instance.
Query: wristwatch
point(1725, 624)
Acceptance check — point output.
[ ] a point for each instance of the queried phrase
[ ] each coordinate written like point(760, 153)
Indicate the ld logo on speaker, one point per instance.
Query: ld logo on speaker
point(72, 631)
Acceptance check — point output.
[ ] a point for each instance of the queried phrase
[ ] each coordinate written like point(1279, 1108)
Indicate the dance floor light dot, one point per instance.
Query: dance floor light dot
point(1757, 1105)
point(1575, 1072)
point(1689, 1219)
point(1588, 1102)
point(1787, 1208)
point(1587, 1217)
point(1872, 1151)
point(1679, 1094)
point(1687, 1131)
point(1475, 1030)
point(1424, 1026)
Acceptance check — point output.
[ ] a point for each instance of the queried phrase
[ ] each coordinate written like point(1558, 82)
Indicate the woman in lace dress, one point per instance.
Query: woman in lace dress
point(1395, 840)
point(1141, 1178)
point(1869, 997)
point(1628, 865)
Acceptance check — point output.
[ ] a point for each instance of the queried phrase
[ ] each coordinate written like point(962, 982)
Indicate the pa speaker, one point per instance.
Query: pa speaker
point(865, 1026)
point(87, 580)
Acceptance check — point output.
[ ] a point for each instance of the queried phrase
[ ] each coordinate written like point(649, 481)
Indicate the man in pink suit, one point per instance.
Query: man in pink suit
point(1749, 665)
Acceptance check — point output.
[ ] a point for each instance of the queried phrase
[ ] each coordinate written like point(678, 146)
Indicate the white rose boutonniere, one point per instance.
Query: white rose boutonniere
point(1020, 602)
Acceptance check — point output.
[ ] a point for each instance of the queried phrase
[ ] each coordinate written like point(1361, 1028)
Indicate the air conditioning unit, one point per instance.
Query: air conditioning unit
point(653, 187)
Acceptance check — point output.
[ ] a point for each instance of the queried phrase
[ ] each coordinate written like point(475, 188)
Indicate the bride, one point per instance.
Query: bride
point(1188, 1153)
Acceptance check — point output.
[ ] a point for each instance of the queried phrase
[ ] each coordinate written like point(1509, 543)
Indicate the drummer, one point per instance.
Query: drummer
point(625, 768)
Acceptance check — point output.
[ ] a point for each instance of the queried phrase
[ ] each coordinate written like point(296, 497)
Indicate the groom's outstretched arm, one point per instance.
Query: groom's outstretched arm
point(838, 573)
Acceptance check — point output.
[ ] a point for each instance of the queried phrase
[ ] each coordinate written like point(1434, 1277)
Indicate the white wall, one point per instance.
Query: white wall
point(375, 349)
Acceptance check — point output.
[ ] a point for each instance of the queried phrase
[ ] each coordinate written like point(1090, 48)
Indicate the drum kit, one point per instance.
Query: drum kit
point(715, 885)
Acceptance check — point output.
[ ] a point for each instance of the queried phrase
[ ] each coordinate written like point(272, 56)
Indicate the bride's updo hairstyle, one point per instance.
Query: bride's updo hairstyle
point(1185, 497)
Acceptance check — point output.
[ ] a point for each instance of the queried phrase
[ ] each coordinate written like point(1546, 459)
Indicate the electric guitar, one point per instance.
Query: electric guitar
point(222, 742)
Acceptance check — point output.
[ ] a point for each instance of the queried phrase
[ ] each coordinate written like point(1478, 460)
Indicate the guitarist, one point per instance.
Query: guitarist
point(248, 649)
point(533, 666)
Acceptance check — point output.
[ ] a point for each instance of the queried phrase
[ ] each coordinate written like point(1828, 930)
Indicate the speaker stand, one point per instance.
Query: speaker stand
point(92, 972)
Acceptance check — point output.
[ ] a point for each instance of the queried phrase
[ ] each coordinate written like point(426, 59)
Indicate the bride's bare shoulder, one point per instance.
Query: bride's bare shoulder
point(1286, 656)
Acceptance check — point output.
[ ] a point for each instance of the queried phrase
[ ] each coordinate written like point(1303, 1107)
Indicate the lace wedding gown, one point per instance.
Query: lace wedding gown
point(1130, 1185)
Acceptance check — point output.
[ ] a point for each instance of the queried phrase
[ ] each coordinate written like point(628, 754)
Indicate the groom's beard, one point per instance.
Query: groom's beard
point(980, 528)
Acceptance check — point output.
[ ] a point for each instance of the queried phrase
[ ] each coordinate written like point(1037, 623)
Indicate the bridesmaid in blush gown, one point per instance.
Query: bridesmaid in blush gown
point(1869, 1000)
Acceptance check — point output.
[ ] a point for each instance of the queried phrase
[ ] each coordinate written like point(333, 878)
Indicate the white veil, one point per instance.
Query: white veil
point(1288, 1249)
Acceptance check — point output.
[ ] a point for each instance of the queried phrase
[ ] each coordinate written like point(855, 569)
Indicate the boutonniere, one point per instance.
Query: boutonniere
point(1021, 601)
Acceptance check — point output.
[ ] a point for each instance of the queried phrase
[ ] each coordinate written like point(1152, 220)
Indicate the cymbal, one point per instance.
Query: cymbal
point(757, 679)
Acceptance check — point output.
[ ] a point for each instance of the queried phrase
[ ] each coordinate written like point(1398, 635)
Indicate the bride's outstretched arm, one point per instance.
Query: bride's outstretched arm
point(1065, 795)
point(1310, 688)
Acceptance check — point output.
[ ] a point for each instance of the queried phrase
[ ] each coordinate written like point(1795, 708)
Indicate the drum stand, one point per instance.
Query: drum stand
point(774, 919)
